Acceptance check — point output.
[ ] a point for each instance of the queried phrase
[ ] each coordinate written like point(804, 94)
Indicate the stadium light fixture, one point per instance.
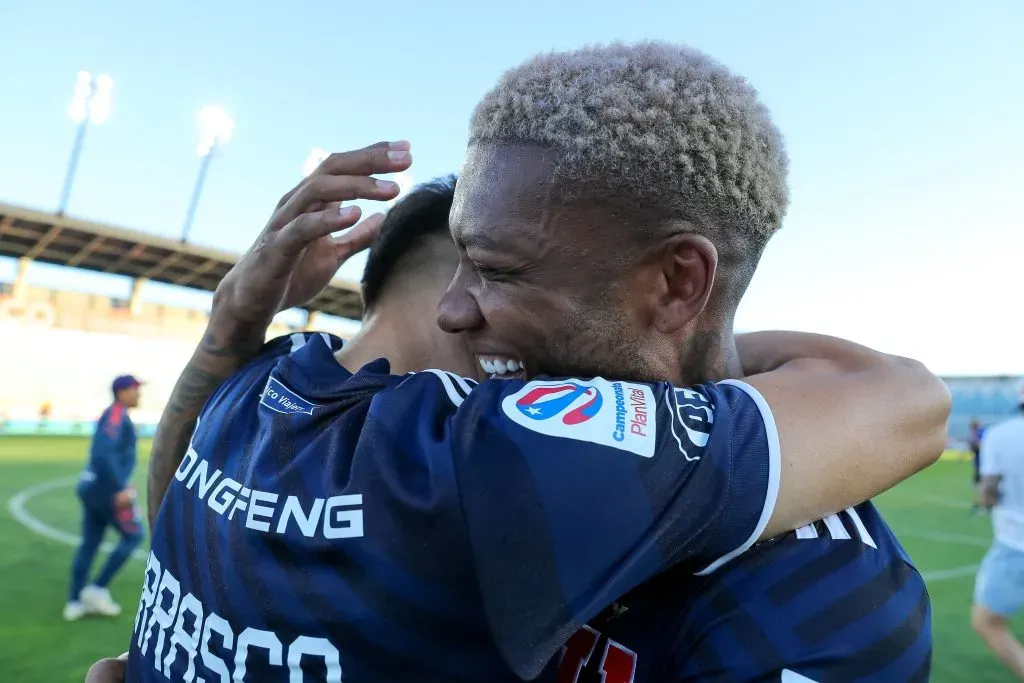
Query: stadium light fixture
point(89, 104)
point(215, 129)
point(315, 158)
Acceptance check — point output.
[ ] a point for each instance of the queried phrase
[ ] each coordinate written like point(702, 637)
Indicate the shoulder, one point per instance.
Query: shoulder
point(289, 343)
point(114, 415)
point(431, 395)
point(629, 416)
point(274, 352)
point(1009, 430)
point(450, 386)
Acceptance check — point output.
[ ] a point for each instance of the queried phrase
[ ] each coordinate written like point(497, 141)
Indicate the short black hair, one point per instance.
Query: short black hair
point(421, 213)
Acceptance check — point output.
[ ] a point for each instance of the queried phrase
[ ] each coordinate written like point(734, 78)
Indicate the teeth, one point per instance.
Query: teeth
point(500, 366)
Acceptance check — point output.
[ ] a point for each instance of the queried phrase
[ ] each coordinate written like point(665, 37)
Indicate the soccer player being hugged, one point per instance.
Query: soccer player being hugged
point(108, 499)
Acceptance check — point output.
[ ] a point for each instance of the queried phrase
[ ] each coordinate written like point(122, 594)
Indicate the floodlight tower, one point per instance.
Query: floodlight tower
point(90, 104)
point(215, 129)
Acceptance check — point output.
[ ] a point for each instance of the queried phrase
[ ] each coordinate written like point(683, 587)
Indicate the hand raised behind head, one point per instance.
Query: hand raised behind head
point(295, 256)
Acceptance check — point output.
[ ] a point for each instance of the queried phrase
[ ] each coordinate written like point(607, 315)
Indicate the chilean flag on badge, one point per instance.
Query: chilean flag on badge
point(544, 403)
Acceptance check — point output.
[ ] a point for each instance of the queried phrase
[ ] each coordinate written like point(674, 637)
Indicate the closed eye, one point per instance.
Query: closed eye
point(491, 272)
point(487, 272)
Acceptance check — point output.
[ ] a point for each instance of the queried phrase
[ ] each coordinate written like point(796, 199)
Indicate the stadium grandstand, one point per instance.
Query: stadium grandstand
point(80, 341)
point(985, 399)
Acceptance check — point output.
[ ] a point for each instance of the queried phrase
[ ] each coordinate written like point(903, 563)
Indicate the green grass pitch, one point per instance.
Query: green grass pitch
point(930, 514)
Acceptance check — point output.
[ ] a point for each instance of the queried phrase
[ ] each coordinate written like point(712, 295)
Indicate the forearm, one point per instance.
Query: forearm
point(762, 352)
point(897, 393)
point(292, 260)
point(987, 490)
point(986, 497)
point(852, 422)
point(222, 351)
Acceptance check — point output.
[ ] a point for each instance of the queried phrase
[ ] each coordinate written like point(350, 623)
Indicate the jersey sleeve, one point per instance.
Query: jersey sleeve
point(576, 491)
point(130, 454)
point(104, 451)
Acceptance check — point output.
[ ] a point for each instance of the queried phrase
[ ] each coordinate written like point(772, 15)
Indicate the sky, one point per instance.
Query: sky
point(903, 123)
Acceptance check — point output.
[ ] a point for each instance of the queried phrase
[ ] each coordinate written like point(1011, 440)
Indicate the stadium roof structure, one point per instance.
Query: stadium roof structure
point(50, 238)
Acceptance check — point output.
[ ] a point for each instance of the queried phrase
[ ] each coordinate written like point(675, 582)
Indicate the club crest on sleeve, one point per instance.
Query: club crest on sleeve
point(692, 417)
point(616, 414)
point(281, 399)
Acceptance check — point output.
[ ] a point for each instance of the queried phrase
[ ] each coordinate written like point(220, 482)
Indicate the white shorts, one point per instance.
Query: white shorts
point(1000, 582)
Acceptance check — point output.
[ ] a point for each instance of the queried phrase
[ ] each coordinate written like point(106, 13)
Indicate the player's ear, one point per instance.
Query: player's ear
point(683, 270)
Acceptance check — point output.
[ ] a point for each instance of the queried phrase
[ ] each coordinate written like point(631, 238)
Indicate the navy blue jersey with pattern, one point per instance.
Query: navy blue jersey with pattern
point(330, 526)
point(838, 601)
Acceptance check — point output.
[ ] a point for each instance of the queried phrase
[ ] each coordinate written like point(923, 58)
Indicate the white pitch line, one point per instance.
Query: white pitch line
point(957, 539)
point(942, 501)
point(945, 537)
point(16, 506)
point(956, 572)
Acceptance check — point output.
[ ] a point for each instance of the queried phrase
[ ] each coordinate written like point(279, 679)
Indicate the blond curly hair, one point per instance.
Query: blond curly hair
point(657, 124)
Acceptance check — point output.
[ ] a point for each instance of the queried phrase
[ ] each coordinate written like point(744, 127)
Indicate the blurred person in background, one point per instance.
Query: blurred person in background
point(108, 499)
point(999, 587)
point(974, 442)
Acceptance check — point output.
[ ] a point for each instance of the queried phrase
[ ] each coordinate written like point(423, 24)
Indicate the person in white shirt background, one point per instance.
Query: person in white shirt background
point(999, 587)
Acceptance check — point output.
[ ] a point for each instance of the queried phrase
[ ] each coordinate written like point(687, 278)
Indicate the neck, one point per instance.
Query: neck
point(710, 356)
point(392, 332)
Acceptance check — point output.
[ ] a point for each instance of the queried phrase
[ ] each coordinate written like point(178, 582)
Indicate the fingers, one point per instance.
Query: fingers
point(382, 157)
point(309, 227)
point(358, 238)
point(345, 176)
point(288, 195)
point(340, 163)
point(324, 189)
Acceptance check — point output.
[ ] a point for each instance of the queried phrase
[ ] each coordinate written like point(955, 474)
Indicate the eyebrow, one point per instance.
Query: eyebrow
point(478, 240)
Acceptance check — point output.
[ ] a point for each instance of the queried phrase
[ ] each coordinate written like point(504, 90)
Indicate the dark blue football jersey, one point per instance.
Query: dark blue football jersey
point(330, 526)
point(838, 601)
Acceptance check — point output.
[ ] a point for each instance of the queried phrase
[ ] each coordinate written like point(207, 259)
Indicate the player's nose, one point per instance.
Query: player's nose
point(458, 310)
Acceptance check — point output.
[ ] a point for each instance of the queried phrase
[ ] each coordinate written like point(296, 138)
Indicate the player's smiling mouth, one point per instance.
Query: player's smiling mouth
point(501, 367)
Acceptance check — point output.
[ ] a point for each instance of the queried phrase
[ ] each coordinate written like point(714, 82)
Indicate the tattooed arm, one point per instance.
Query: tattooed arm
point(218, 355)
point(292, 260)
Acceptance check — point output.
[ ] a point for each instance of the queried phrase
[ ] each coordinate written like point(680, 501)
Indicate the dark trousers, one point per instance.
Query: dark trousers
point(95, 520)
